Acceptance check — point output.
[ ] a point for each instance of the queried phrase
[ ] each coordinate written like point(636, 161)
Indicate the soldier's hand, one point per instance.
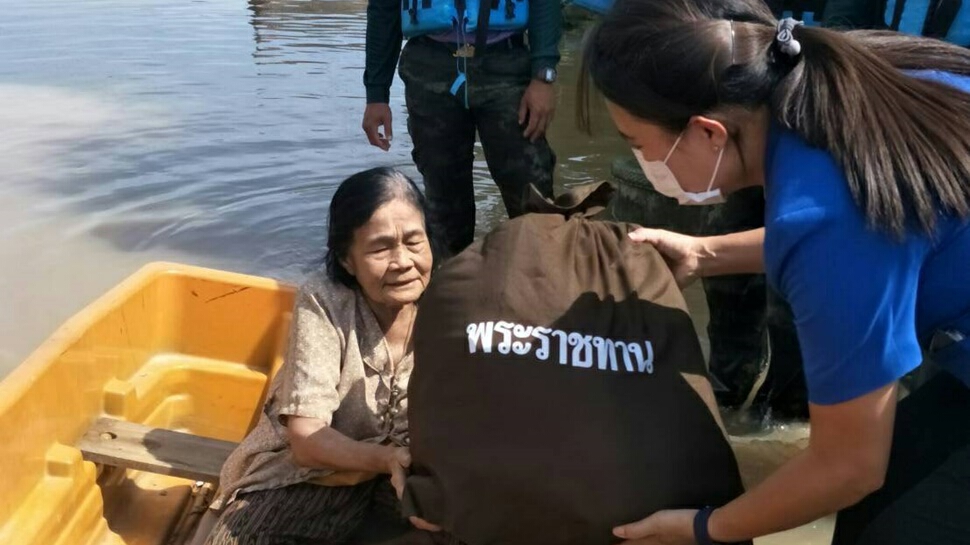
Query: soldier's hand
point(378, 115)
point(538, 106)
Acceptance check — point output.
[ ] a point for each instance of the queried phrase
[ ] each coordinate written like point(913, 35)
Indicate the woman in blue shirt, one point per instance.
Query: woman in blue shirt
point(862, 142)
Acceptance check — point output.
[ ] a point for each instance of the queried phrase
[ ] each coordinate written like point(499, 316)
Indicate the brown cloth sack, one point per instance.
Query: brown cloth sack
point(548, 401)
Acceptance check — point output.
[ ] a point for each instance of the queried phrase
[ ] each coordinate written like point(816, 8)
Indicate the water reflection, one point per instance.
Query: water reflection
point(286, 28)
point(211, 128)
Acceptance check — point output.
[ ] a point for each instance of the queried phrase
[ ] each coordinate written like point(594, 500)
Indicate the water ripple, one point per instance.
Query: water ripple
point(213, 127)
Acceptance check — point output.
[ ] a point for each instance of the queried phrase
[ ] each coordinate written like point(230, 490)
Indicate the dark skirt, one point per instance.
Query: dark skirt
point(926, 495)
point(309, 514)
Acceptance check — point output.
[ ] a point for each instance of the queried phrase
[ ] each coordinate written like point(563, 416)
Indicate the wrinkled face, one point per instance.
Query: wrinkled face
point(694, 160)
point(390, 255)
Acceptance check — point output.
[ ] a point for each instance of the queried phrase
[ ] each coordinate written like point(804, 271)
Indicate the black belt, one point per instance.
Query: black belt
point(512, 42)
point(949, 347)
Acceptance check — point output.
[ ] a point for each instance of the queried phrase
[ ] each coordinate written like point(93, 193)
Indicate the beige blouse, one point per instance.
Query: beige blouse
point(338, 369)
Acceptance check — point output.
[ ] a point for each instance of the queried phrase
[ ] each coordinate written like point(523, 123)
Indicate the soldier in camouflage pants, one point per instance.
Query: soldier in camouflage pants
point(507, 97)
point(443, 131)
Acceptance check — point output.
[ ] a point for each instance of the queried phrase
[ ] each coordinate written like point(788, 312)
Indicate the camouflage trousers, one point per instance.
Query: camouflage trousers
point(755, 358)
point(443, 128)
point(754, 346)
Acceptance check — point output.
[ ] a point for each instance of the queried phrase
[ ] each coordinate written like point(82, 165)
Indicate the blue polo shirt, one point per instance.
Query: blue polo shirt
point(863, 299)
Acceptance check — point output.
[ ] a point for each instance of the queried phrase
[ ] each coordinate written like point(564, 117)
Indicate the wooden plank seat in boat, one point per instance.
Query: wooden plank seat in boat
point(119, 443)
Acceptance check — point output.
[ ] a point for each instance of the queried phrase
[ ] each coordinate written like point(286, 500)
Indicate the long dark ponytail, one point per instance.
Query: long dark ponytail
point(903, 142)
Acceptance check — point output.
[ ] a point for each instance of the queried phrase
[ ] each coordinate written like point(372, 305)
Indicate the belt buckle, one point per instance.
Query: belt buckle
point(465, 52)
point(944, 338)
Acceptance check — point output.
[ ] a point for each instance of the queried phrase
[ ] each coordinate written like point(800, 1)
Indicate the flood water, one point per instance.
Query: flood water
point(210, 132)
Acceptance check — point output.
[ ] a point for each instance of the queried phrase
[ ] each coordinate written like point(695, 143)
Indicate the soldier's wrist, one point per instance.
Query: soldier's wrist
point(378, 94)
point(545, 75)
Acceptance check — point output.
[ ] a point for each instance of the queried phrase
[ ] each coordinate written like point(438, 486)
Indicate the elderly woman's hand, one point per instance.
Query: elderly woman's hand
point(398, 461)
point(422, 524)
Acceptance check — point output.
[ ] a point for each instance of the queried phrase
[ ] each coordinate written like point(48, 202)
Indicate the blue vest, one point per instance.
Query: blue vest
point(420, 17)
point(596, 6)
point(951, 21)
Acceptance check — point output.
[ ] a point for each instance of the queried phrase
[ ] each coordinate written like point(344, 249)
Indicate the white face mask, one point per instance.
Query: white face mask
point(663, 180)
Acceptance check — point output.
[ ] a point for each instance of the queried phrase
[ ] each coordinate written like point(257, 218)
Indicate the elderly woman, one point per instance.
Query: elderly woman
point(330, 449)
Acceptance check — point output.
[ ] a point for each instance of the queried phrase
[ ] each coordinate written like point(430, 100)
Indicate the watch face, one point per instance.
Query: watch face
point(549, 75)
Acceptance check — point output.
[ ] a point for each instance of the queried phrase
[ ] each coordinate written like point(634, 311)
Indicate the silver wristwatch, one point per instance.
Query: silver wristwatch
point(547, 75)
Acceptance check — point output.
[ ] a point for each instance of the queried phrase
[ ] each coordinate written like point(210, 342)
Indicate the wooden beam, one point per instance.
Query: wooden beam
point(126, 444)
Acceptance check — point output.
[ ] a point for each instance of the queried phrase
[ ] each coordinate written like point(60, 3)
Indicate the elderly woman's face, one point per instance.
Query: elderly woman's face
point(391, 256)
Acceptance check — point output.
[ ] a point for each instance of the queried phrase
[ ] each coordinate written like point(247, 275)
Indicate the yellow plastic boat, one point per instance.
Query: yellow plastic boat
point(172, 347)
